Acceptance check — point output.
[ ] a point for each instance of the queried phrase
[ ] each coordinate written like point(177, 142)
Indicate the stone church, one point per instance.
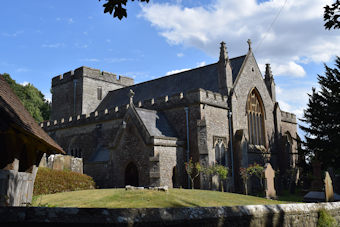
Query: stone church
point(142, 134)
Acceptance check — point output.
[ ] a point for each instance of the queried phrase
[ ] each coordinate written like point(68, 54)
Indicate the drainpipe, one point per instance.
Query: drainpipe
point(187, 152)
point(74, 95)
point(230, 114)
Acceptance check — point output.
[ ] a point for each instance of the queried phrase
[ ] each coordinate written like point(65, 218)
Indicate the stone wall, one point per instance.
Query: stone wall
point(75, 92)
point(297, 215)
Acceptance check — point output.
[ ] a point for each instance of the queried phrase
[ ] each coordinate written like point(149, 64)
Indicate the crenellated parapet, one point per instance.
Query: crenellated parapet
point(288, 117)
point(198, 96)
point(85, 71)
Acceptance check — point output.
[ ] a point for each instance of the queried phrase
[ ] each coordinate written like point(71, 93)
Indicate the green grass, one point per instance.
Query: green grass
point(120, 198)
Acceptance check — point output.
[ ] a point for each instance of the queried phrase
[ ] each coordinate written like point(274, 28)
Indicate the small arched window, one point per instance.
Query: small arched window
point(220, 154)
point(255, 114)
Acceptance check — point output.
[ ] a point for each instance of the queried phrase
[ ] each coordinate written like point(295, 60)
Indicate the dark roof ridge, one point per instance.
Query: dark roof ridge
point(175, 74)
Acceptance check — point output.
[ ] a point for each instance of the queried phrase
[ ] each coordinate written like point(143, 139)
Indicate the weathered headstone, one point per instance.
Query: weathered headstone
point(43, 161)
point(269, 175)
point(329, 194)
point(67, 162)
point(77, 165)
point(58, 162)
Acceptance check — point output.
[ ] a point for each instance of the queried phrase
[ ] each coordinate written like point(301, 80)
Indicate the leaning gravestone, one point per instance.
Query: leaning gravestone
point(269, 175)
point(329, 194)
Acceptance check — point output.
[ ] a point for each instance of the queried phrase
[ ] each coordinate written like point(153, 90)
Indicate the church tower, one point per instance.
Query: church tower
point(269, 81)
point(225, 77)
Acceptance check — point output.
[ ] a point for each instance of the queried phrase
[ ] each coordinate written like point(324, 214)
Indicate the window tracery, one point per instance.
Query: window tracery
point(255, 115)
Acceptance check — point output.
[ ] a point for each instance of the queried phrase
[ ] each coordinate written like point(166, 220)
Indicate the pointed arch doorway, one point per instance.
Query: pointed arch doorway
point(131, 175)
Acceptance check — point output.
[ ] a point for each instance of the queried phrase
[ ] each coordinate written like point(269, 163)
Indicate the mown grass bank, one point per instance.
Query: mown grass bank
point(121, 198)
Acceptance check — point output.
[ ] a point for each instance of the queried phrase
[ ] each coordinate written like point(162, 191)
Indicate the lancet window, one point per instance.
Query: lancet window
point(255, 115)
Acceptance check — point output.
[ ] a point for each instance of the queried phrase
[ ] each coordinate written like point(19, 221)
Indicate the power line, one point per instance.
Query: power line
point(271, 25)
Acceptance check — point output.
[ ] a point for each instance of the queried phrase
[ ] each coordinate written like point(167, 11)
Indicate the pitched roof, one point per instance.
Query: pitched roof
point(155, 122)
point(205, 77)
point(16, 114)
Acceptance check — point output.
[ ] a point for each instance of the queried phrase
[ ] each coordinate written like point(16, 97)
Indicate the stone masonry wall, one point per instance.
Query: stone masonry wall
point(87, 81)
point(251, 78)
point(131, 148)
point(285, 215)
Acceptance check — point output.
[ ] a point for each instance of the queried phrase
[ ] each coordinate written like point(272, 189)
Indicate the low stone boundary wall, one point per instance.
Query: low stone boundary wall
point(253, 215)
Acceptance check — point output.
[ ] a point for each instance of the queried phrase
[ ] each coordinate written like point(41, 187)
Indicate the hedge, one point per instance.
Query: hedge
point(49, 181)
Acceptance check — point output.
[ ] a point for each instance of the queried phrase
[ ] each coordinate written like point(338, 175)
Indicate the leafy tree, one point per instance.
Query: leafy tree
point(252, 170)
point(116, 7)
point(331, 15)
point(33, 100)
point(244, 176)
point(222, 173)
point(193, 170)
point(322, 116)
point(257, 171)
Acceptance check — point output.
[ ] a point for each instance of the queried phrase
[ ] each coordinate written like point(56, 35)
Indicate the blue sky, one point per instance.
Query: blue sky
point(43, 38)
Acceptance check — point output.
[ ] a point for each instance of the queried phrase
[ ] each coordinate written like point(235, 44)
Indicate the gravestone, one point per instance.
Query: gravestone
point(43, 161)
point(269, 175)
point(58, 162)
point(329, 194)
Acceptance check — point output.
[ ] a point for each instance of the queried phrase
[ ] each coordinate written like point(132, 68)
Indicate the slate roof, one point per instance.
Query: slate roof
point(205, 77)
point(16, 114)
point(156, 123)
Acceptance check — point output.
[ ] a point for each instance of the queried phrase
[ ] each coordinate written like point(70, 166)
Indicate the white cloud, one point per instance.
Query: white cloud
point(285, 69)
point(53, 45)
point(90, 59)
point(81, 46)
point(297, 36)
point(176, 71)
point(70, 21)
point(25, 83)
point(200, 64)
point(14, 34)
point(22, 70)
point(180, 55)
point(293, 100)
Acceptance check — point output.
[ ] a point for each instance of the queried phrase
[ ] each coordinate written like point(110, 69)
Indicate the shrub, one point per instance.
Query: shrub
point(49, 181)
point(325, 219)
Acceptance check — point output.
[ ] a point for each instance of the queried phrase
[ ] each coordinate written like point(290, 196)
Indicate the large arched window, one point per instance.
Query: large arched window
point(255, 114)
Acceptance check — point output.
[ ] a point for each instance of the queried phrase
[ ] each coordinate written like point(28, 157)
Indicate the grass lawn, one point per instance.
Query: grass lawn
point(120, 198)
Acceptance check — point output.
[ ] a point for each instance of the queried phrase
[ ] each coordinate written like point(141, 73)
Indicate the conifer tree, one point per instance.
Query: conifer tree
point(322, 116)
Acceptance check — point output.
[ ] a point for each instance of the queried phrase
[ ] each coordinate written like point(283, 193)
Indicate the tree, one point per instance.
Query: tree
point(193, 170)
point(322, 116)
point(222, 173)
point(331, 15)
point(244, 176)
point(252, 170)
point(33, 100)
point(115, 7)
point(257, 171)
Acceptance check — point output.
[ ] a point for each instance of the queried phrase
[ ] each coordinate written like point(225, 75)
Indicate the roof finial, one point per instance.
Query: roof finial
point(268, 73)
point(249, 44)
point(223, 52)
point(131, 94)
